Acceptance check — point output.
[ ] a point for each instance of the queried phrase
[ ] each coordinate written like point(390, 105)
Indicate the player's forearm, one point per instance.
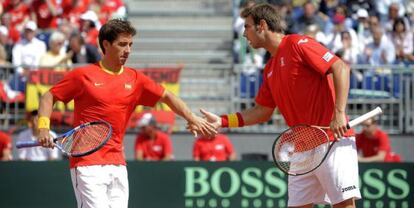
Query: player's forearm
point(380, 157)
point(340, 73)
point(46, 105)
point(177, 105)
point(256, 114)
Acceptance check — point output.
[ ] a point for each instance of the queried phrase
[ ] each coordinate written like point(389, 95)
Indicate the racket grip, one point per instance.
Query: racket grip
point(25, 144)
point(365, 117)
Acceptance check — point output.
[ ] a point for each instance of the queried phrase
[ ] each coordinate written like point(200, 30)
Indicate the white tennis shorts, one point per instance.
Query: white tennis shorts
point(334, 181)
point(100, 186)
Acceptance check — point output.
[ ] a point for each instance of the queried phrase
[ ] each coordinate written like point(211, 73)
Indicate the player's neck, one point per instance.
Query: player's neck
point(274, 41)
point(110, 66)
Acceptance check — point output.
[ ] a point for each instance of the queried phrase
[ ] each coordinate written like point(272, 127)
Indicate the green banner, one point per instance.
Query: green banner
point(197, 185)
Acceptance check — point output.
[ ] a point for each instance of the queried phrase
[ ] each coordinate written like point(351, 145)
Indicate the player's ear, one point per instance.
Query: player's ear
point(106, 44)
point(262, 25)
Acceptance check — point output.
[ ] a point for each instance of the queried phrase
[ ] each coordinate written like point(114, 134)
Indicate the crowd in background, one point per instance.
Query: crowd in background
point(368, 32)
point(51, 34)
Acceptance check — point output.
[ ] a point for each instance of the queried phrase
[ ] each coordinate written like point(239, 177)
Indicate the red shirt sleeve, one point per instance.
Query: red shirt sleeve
point(316, 55)
point(151, 93)
point(67, 89)
point(264, 96)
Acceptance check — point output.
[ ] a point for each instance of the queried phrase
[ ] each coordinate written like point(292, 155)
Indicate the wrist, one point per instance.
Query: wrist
point(43, 122)
point(232, 120)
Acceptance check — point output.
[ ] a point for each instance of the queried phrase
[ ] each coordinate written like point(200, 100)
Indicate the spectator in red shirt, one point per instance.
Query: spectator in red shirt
point(89, 27)
point(218, 148)
point(45, 13)
point(5, 147)
point(151, 143)
point(374, 145)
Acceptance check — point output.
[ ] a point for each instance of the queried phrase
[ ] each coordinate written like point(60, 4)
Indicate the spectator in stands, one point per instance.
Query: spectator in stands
point(151, 143)
point(390, 9)
point(16, 14)
point(82, 52)
point(310, 16)
point(374, 145)
point(72, 10)
point(56, 58)
point(218, 148)
point(108, 9)
point(334, 37)
point(90, 27)
point(30, 134)
point(350, 53)
point(381, 51)
point(45, 13)
point(5, 147)
point(395, 10)
point(6, 42)
point(26, 56)
point(362, 28)
point(402, 38)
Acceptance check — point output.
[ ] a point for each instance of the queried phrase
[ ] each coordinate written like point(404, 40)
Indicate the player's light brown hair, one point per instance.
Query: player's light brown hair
point(266, 12)
point(110, 31)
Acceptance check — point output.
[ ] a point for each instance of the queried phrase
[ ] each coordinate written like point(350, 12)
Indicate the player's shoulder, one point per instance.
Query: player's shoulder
point(297, 39)
point(88, 68)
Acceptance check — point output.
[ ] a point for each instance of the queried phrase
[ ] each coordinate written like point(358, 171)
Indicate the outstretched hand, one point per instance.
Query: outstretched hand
point(207, 126)
point(212, 118)
point(202, 126)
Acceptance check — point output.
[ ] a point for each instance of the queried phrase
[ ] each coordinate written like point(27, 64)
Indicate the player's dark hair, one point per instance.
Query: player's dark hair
point(110, 31)
point(266, 12)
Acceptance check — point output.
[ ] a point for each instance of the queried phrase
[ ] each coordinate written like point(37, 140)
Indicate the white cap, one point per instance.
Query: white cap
point(31, 25)
point(146, 119)
point(89, 15)
point(362, 13)
point(3, 30)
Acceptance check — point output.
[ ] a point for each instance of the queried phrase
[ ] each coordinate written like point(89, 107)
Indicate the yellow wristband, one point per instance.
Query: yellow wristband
point(43, 122)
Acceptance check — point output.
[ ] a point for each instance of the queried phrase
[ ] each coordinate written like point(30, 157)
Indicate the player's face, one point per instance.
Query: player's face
point(121, 48)
point(251, 33)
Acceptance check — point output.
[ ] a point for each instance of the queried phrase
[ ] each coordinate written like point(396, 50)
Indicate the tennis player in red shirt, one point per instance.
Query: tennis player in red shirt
point(109, 91)
point(374, 145)
point(309, 85)
point(218, 148)
point(151, 143)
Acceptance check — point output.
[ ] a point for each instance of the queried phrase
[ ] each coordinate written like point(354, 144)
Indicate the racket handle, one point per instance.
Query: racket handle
point(24, 144)
point(365, 117)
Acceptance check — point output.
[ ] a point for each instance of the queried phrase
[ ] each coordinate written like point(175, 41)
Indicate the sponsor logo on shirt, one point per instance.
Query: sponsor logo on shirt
point(128, 86)
point(328, 56)
point(97, 84)
point(349, 188)
point(304, 40)
point(219, 147)
point(157, 148)
point(282, 61)
point(269, 74)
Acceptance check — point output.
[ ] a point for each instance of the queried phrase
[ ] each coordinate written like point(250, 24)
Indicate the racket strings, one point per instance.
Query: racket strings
point(300, 149)
point(85, 139)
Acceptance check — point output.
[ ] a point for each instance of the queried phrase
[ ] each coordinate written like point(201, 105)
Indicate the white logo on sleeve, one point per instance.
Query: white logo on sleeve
point(328, 56)
point(97, 84)
point(269, 74)
point(304, 40)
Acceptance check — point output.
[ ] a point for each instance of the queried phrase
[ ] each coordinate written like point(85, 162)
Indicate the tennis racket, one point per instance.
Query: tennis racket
point(83, 140)
point(302, 148)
